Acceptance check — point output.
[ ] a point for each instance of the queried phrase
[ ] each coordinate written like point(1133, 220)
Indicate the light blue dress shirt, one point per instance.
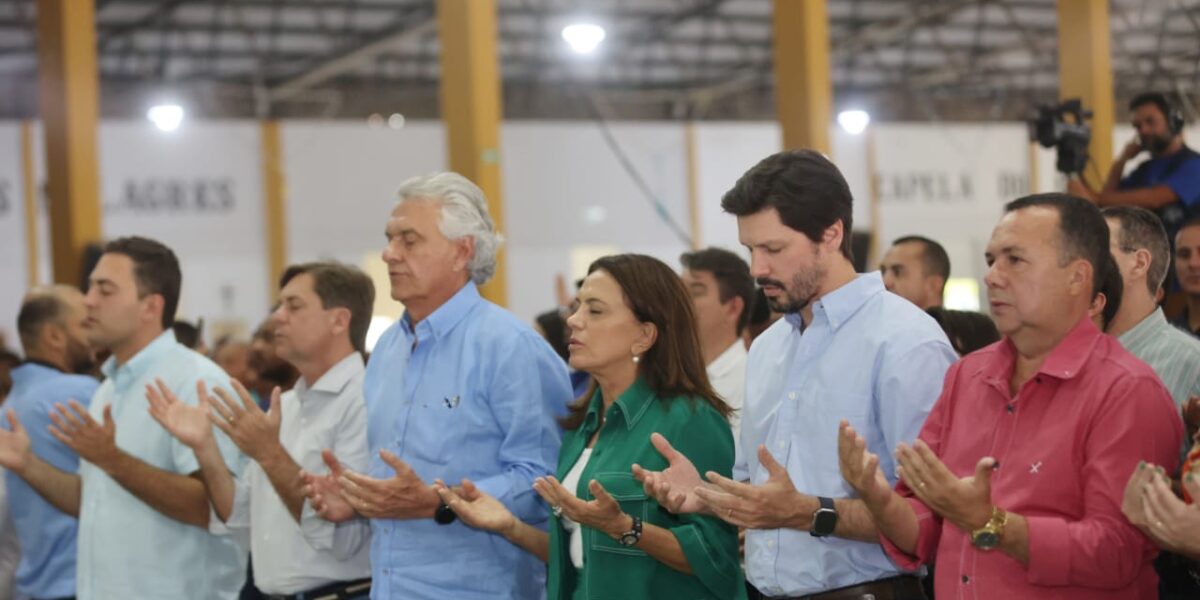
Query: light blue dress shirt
point(869, 357)
point(127, 549)
point(470, 392)
point(47, 535)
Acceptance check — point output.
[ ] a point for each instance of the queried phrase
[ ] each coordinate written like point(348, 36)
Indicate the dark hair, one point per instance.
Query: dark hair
point(187, 334)
point(555, 327)
point(804, 187)
point(41, 307)
point(155, 268)
point(933, 255)
point(8, 362)
point(1192, 222)
point(1155, 98)
point(1083, 232)
point(674, 365)
point(340, 286)
point(1113, 289)
point(732, 275)
point(761, 312)
point(1141, 228)
point(967, 331)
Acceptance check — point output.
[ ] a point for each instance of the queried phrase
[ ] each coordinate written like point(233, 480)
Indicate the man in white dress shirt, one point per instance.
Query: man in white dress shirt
point(321, 326)
point(722, 292)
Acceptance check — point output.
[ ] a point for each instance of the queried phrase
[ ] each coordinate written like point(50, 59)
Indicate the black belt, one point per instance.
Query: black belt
point(339, 590)
point(900, 587)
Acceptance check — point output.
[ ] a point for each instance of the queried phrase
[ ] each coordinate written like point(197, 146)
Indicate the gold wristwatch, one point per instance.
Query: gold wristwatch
point(988, 536)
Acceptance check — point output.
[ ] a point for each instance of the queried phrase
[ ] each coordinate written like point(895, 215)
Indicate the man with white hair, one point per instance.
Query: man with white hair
point(458, 388)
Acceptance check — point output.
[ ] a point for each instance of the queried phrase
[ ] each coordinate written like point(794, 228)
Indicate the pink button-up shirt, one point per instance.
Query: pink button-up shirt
point(1066, 445)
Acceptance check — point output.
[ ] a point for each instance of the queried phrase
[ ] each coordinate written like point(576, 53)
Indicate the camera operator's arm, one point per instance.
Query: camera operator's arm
point(1151, 197)
point(1132, 149)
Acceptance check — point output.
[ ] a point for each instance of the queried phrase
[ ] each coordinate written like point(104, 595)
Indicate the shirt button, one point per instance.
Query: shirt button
point(792, 396)
point(966, 579)
point(770, 543)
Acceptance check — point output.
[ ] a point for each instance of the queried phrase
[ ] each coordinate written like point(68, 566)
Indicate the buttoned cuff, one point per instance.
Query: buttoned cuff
point(1049, 550)
point(316, 531)
point(928, 535)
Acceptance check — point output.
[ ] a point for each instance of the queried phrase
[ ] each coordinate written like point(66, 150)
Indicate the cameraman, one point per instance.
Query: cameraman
point(1168, 183)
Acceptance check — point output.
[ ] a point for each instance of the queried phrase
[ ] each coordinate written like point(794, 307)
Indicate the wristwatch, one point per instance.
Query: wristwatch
point(824, 519)
point(444, 515)
point(988, 536)
point(631, 537)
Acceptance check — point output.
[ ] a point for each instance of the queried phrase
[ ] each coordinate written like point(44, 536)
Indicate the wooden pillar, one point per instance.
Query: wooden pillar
point(274, 205)
point(803, 91)
point(1085, 72)
point(68, 87)
point(471, 108)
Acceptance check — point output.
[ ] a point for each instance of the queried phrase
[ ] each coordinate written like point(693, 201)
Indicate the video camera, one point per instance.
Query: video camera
point(1050, 128)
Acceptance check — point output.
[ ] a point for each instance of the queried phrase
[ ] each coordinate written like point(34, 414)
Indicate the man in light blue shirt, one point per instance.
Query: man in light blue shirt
point(143, 514)
point(52, 330)
point(459, 388)
point(846, 350)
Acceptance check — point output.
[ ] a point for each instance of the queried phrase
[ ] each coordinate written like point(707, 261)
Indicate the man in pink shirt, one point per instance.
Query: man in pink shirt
point(1014, 486)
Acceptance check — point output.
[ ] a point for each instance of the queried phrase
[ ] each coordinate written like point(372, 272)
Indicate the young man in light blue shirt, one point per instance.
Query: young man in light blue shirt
point(52, 330)
point(846, 349)
point(459, 388)
point(143, 512)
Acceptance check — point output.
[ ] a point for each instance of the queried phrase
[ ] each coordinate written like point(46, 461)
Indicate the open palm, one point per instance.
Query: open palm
point(476, 508)
point(15, 447)
point(189, 424)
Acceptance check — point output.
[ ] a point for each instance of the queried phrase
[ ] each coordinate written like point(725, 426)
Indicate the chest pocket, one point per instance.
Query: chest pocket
point(441, 422)
point(632, 497)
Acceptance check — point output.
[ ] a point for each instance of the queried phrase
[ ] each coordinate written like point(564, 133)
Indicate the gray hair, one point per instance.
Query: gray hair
point(464, 213)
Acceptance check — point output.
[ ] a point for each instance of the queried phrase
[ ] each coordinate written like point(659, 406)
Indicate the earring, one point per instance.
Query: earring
point(636, 359)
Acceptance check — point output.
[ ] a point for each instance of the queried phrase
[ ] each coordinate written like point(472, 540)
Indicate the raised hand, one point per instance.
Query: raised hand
point(403, 496)
point(189, 424)
point(324, 492)
point(965, 502)
point(772, 505)
point(1172, 524)
point(602, 514)
point(674, 488)
point(860, 468)
point(476, 508)
point(92, 441)
point(255, 432)
point(16, 451)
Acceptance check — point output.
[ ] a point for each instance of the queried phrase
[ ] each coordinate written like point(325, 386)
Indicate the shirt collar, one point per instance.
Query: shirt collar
point(728, 359)
point(1150, 326)
point(446, 316)
point(839, 305)
point(632, 403)
point(1065, 360)
point(335, 379)
point(137, 365)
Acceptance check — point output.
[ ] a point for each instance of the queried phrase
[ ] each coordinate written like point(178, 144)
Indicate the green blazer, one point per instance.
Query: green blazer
point(614, 572)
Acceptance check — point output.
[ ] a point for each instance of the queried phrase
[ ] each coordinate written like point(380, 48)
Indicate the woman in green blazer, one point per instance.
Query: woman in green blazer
point(634, 332)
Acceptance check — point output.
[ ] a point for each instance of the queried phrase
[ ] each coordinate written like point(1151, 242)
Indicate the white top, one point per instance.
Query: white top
point(571, 482)
point(292, 557)
point(10, 548)
point(727, 373)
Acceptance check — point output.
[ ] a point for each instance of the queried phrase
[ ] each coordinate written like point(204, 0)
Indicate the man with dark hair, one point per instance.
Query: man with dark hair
point(321, 323)
point(1143, 254)
point(1107, 301)
point(1015, 486)
point(143, 511)
point(51, 324)
point(1187, 272)
point(1169, 182)
point(916, 268)
point(722, 291)
point(845, 349)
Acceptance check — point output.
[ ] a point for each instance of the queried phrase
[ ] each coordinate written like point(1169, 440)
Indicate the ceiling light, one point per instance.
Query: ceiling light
point(166, 117)
point(396, 121)
point(854, 121)
point(583, 37)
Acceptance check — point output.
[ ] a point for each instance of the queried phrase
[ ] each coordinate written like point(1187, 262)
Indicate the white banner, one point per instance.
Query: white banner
point(949, 183)
point(12, 232)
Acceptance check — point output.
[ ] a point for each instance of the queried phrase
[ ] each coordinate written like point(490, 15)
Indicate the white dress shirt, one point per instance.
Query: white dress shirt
point(727, 374)
point(291, 557)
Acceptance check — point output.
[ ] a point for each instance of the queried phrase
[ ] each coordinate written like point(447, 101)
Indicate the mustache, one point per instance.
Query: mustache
point(763, 281)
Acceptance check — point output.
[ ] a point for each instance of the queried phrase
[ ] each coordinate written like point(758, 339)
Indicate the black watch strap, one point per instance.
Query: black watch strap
point(444, 515)
point(825, 518)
